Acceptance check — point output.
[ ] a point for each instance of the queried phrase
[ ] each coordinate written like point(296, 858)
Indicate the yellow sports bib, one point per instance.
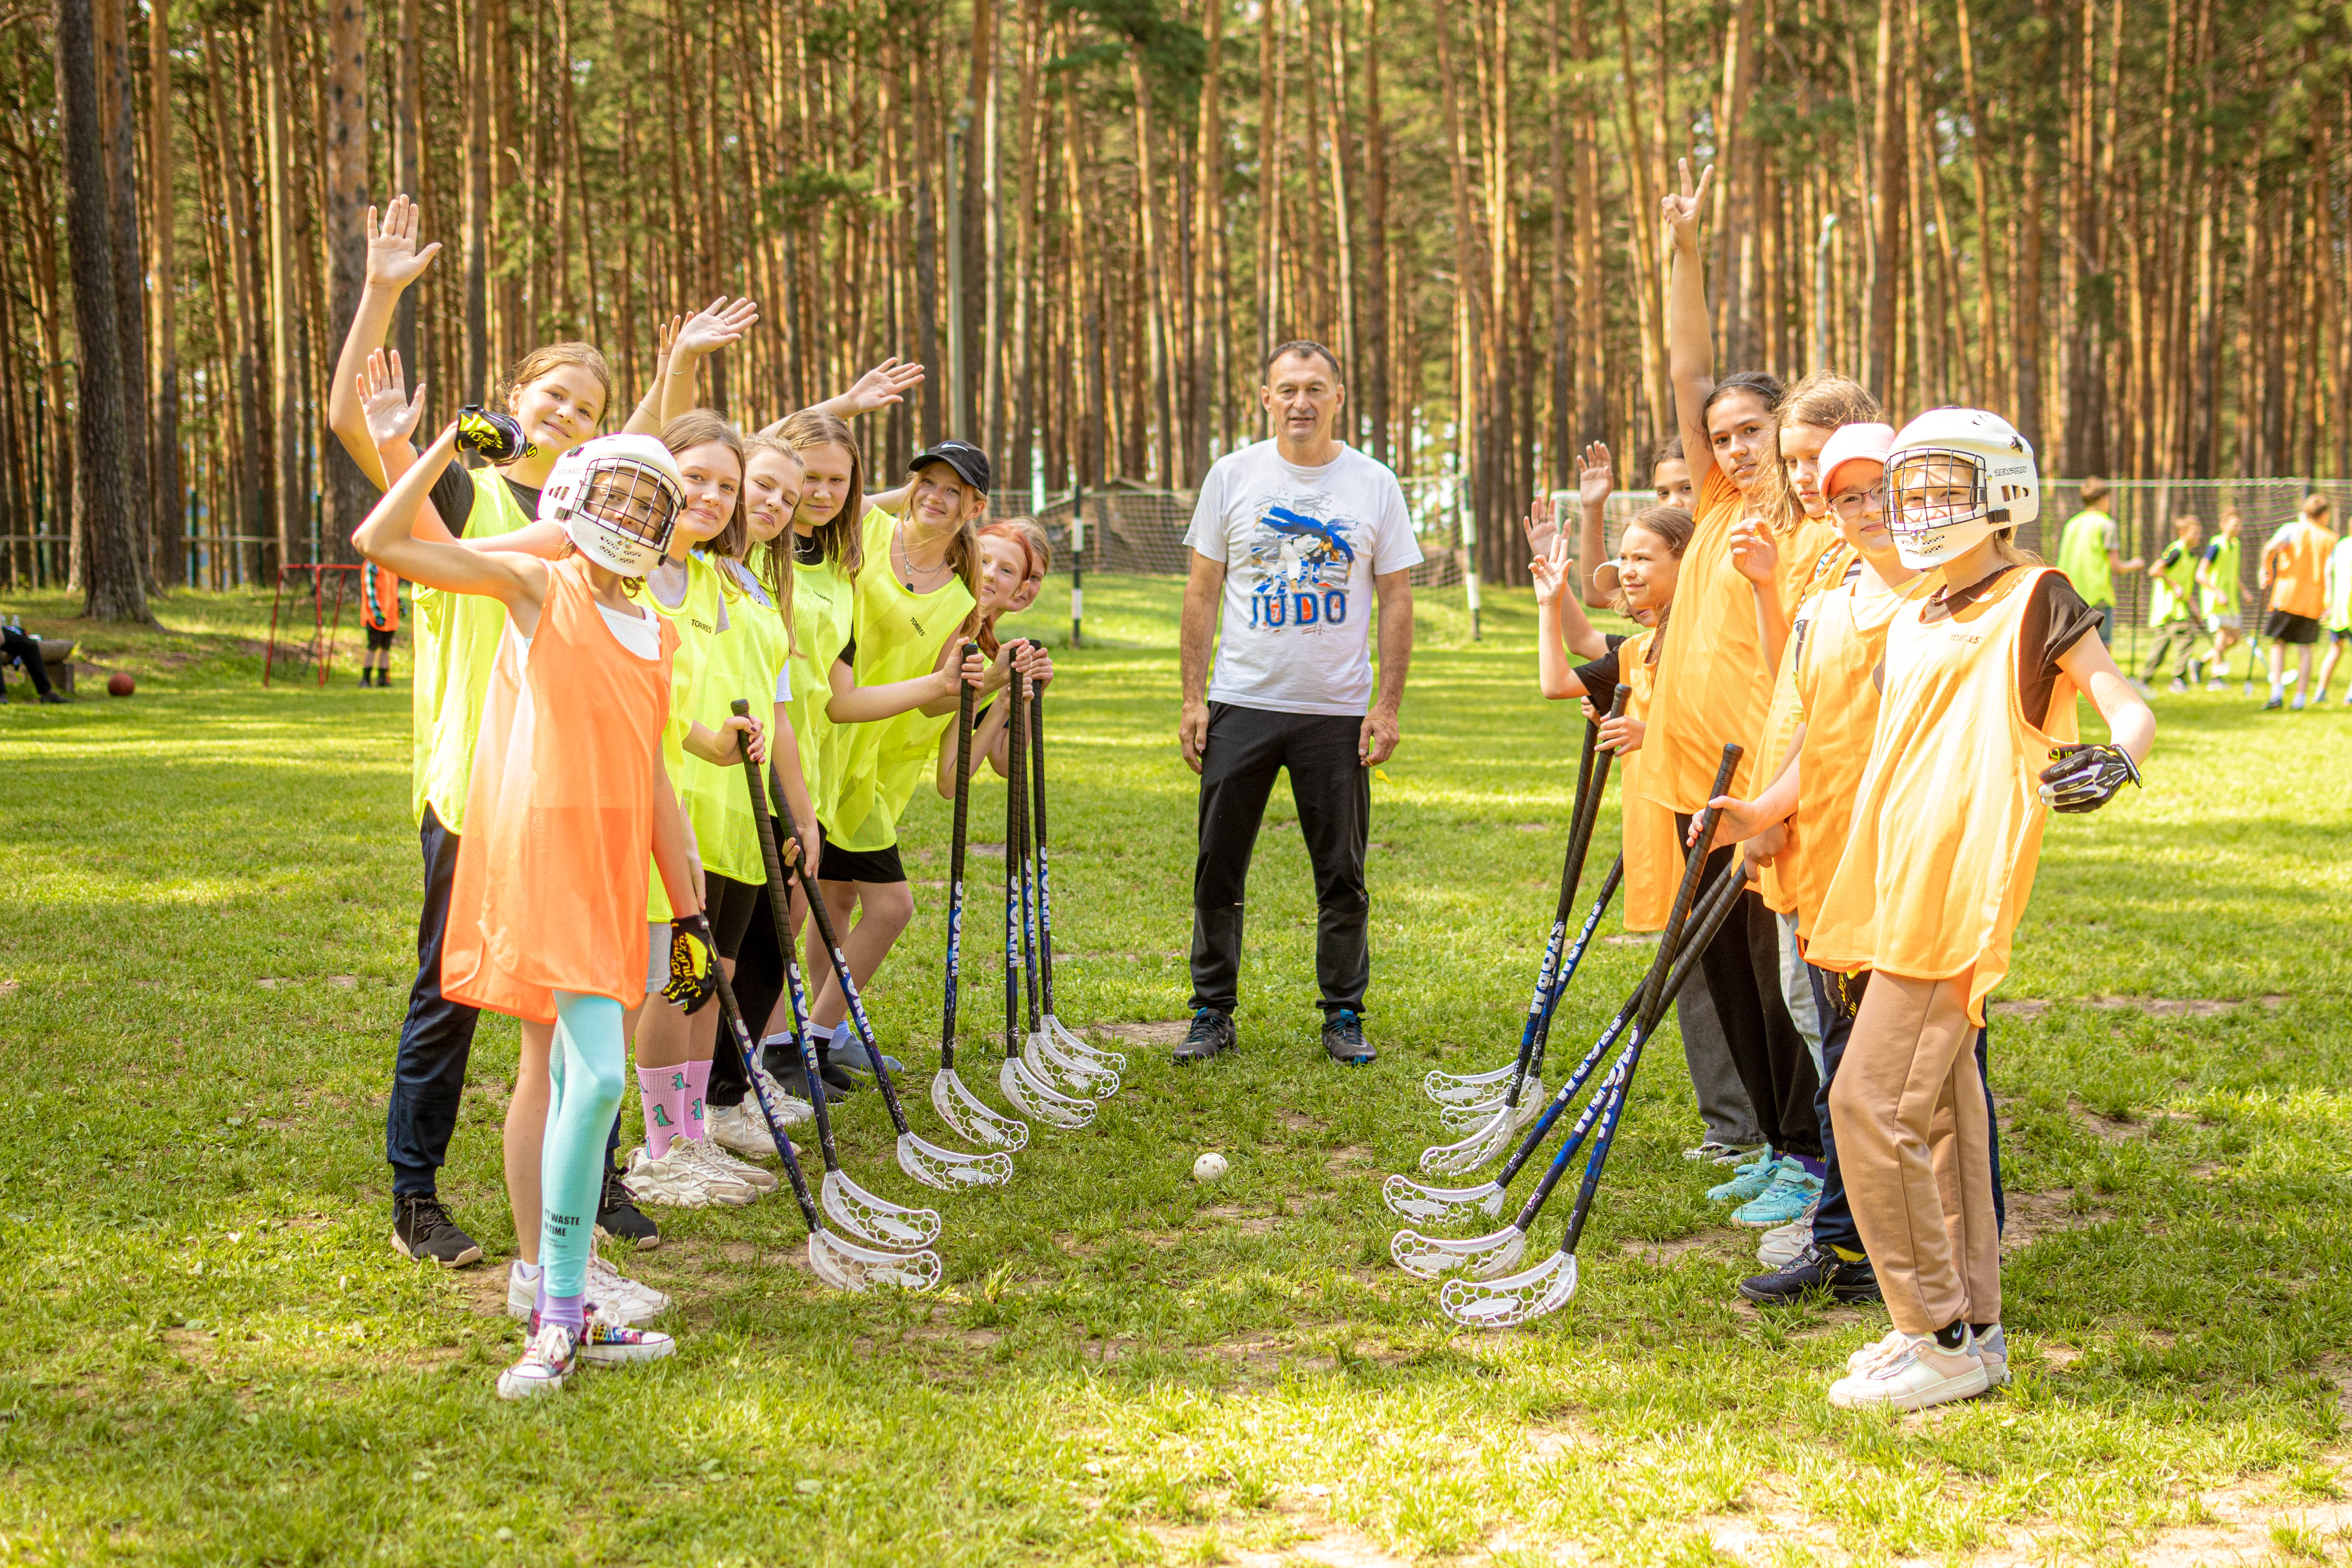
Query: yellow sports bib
point(823, 607)
point(696, 618)
point(457, 638)
point(745, 659)
point(900, 636)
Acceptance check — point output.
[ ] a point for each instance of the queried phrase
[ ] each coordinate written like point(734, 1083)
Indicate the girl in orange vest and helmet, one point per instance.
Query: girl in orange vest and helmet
point(568, 804)
point(1974, 744)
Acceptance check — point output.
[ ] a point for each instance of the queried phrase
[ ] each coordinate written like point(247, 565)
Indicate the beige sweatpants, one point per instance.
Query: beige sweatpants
point(1909, 1110)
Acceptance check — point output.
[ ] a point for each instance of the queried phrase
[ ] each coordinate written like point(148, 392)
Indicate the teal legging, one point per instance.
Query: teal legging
point(583, 1068)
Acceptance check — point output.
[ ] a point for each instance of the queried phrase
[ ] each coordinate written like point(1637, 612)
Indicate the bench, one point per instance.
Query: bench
point(57, 654)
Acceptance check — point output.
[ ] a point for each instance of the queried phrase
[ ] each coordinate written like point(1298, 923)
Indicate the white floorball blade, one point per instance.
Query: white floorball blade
point(1516, 1299)
point(972, 1118)
point(1082, 1049)
point(1062, 1076)
point(1482, 1145)
point(1464, 1117)
point(947, 1170)
point(1463, 1087)
point(1409, 1199)
point(845, 1266)
point(1032, 1096)
point(873, 1219)
point(1479, 1257)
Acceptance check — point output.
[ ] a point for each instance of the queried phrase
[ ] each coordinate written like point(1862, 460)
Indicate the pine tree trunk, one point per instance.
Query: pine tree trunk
point(113, 587)
point(350, 496)
point(171, 565)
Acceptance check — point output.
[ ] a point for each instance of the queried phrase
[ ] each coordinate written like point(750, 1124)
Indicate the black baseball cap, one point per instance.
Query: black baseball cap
point(965, 458)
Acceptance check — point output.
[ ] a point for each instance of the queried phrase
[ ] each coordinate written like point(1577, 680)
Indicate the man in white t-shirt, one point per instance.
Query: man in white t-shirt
point(1296, 543)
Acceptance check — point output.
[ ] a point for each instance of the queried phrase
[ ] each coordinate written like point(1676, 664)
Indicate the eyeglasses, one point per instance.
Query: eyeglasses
point(1853, 504)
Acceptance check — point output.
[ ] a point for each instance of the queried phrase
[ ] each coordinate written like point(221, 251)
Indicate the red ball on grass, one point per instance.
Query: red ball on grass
point(121, 685)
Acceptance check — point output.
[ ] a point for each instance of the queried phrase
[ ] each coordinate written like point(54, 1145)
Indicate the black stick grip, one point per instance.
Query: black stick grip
point(744, 1044)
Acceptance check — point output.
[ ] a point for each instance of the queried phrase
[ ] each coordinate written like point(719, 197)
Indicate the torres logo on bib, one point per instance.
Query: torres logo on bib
point(1299, 564)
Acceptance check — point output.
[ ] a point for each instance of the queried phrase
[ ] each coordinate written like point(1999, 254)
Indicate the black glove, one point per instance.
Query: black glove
point(497, 437)
point(2084, 778)
point(693, 962)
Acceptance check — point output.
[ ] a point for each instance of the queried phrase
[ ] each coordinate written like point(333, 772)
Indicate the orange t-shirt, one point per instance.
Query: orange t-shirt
point(379, 598)
point(1947, 818)
point(2297, 556)
point(1653, 859)
point(549, 889)
point(1713, 685)
point(1834, 647)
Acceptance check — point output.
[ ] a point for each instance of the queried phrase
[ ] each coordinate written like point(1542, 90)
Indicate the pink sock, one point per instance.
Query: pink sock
point(698, 1081)
point(663, 1092)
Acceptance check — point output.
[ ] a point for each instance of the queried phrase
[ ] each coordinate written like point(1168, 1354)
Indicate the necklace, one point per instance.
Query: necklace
point(899, 544)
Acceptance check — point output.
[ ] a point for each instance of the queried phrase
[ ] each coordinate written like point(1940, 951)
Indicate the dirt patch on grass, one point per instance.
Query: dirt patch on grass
point(2153, 1007)
point(2033, 1215)
point(1346, 1162)
point(1665, 1254)
point(1161, 1032)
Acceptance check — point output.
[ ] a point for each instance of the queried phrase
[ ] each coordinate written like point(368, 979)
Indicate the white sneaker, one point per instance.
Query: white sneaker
point(674, 1181)
point(617, 1298)
point(522, 1294)
point(548, 1359)
point(1920, 1375)
point(1992, 1349)
point(742, 1129)
point(1877, 1351)
point(709, 1151)
point(726, 1186)
point(1784, 1246)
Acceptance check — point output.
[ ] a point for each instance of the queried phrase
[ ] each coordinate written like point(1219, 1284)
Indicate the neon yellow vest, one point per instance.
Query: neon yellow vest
point(2339, 587)
point(2083, 556)
point(696, 620)
point(900, 636)
point(742, 660)
point(823, 604)
point(2175, 586)
point(2223, 570)
point(457, 640)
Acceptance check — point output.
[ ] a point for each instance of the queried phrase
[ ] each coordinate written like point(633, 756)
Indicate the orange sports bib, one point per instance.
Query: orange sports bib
point(1713, 685)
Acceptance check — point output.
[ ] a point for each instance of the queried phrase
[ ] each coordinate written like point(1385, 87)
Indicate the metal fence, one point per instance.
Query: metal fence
point(1140, 533)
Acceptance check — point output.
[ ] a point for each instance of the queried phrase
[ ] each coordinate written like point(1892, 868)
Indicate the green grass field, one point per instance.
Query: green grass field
point(210, 1354)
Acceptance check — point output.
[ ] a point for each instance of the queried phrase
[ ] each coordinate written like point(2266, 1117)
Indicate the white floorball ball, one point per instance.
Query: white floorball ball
point(1208, 1167)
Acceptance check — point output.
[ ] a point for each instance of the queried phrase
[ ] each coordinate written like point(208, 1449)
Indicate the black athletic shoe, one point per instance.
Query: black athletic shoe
point(1343, 1037)
point(1212, 1035)
point(1819, 1272)
point(838, 1083)
point(53, 695)
point(423, 1230)
point(618, 1218)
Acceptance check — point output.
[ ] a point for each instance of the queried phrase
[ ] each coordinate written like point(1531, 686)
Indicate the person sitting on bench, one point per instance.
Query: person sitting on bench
point(22, 647)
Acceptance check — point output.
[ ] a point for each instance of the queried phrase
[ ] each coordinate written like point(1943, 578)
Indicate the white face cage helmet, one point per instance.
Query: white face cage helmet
point(1955, 476)
point(616, 499)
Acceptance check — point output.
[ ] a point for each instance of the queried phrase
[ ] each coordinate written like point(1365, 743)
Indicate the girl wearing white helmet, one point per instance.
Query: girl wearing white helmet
point(1974, 744)
point(1712, 687)
point(567, 806)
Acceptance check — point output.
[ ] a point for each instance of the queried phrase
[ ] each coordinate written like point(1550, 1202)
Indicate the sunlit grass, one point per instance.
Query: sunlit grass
point(211, 1355)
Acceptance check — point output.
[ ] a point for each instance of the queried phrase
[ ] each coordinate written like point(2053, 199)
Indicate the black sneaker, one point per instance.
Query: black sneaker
point(423, 1230)
point(619, 1220)
point(53, 695)
point(1212, 1035)
point(1819, 1272)
point(1343, 1037)
point(838, 1083)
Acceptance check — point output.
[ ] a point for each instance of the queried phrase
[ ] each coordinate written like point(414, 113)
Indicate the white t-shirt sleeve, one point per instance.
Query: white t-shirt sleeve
point(1393, 546)
point(1207, 534)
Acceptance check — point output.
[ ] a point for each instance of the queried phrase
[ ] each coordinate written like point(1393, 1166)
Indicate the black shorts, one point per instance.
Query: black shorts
point(835, 864)
point(730, 912)
point(378, 640)
point(2286, 627)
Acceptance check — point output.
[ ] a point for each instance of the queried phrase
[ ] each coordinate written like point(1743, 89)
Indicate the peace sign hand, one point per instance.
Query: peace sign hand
point(1680, 211)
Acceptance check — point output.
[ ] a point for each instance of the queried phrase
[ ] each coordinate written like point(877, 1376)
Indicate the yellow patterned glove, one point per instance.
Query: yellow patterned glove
point(497, 437)
point(693, 962)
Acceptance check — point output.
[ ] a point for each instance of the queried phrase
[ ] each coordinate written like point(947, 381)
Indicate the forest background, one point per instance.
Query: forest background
point(2124, 223)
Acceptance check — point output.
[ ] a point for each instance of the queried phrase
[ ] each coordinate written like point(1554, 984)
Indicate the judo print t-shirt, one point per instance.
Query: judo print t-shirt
point(1301, 547)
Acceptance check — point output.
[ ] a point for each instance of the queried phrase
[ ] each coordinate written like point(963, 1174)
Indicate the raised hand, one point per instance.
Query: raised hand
point(1755, 554)
point(885, 384)
point(1598, 476)
point(392, 414)
point(1555, 570)
point(711, 329)
point(394, 260)
point(1542, 527)
point(1680, 210)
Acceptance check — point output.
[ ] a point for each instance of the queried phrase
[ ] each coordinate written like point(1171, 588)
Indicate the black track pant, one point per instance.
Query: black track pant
point(1333, 792)
point(759, 984)
point(1742, 969)
point(429, 1075)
